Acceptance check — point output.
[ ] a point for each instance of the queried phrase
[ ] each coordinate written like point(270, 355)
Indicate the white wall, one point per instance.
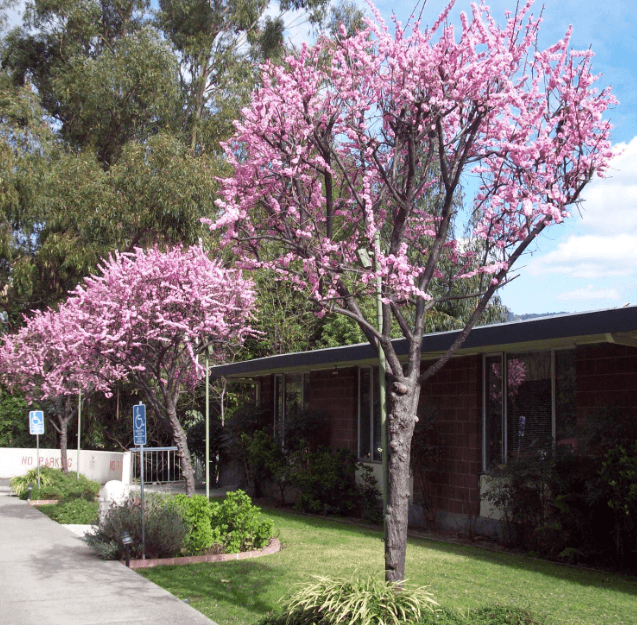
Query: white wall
point(101, 466)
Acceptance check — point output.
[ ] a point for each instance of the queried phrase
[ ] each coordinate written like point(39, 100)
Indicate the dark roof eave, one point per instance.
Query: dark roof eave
point(571, 326)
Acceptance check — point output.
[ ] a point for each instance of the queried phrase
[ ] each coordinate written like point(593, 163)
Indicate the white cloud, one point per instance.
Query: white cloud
point(589, 257)
point(607, 245)
point(588, 294)
point(610, 204)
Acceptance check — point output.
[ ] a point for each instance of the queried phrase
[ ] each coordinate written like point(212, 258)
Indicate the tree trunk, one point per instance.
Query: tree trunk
point(401, 416)
point(64, 413)
point(64, 439)
point(181, 440)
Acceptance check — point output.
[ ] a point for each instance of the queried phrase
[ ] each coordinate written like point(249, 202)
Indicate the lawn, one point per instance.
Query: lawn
point(460, 577)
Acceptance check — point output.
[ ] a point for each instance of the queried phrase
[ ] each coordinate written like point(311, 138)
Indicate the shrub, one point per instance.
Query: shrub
point(241, 428)
point(237, 526)
point(328, 601)
point(197, 513)
point(525, 490)
point(54, 484)
point(618, 476)
point(76, 511)
point(165, 530)
point(326, 480)
point(197, 443)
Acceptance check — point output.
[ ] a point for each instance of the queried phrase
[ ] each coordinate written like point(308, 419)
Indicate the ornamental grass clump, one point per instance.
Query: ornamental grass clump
point(55, 484)
point(370, 601)
point(20, 483)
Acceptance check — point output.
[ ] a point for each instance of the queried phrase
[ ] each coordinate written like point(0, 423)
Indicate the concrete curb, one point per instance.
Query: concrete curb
point(273, 547)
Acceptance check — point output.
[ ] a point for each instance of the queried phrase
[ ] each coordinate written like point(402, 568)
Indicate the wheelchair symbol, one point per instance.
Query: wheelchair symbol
point(36, 422)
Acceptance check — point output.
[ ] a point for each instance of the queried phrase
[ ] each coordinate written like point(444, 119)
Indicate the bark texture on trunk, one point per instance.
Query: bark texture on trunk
point(181, 441)
point(64, 413)
point(64, 439)
point(401, 417)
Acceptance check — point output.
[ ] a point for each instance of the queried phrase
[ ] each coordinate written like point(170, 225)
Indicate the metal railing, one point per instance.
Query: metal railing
point(161, 465)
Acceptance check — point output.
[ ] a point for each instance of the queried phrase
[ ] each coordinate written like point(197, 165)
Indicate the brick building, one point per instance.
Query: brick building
point(513, 388)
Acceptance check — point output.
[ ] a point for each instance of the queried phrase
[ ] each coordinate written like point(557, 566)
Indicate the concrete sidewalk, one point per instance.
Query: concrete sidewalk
point(49, 576)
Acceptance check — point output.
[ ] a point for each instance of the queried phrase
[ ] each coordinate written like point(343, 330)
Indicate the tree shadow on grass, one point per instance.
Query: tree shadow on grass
point(596, 579)
point(241, 583)
point(626, 584)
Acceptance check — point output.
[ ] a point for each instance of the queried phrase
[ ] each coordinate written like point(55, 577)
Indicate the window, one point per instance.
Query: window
point(369, 432)
point(528, 404)
point(291, 396)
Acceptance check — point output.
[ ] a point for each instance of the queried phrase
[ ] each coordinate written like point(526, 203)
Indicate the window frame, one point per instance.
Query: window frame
point(504, 356)
point(373, 384)
point(280, 395)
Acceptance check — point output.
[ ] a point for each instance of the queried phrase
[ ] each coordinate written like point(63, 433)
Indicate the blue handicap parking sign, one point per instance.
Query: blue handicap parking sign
point(36, 422)
point(139, 424)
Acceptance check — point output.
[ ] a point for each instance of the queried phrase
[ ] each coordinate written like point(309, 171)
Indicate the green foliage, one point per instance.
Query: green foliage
point(165, 530)
point(237, 524)
point(327, 483)
point(241, 428)
point(66, 488)
point(426, 458)
point(265, 459)
point(298, 458)
point(197, 442)
point(197, 512)
point(54, 484)
point(524, 490)
point(370, 601)
point(20, 483)
point(618, 476)
point(75, 512)
point(576, 507)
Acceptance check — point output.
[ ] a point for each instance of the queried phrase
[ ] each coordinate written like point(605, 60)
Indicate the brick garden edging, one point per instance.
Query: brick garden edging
point(42, 502)
point(273, 547)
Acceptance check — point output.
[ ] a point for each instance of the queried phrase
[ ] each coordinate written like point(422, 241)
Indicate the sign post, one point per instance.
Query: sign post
point(139, 438)
point(36, 426)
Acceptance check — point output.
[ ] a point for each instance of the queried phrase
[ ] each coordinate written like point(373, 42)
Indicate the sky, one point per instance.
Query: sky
point(590, 261)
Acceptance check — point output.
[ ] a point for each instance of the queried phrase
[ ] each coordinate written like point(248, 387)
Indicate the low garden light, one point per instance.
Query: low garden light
point(127, 540)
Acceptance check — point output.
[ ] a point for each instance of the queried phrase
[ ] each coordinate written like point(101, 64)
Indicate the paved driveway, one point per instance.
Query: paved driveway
point(48, 576)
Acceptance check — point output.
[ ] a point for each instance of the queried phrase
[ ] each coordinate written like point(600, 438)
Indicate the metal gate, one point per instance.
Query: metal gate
point(161, 465)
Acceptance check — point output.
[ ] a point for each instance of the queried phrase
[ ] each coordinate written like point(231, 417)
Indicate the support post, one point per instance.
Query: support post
point(79, 430)
point(382, 387)
point(207, 424)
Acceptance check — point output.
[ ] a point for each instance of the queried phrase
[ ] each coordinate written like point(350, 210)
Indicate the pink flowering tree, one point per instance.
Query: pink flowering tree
point(151, 314)
point(46, 362)
point(348, 160)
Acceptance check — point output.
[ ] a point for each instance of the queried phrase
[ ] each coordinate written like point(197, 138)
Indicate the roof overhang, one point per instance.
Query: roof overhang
point(616, 325)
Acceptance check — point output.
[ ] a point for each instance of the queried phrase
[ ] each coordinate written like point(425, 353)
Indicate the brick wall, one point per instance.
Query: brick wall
point(337, 396)
point(453, 399)
point(606, 378)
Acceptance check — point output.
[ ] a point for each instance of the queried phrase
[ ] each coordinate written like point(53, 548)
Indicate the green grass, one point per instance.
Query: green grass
point(460, 577)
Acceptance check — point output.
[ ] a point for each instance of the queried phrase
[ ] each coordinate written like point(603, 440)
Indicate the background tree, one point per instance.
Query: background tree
point(219, 44)
point(46, 362)
point(151, 313)
point(101, 71)
point(348, 161)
